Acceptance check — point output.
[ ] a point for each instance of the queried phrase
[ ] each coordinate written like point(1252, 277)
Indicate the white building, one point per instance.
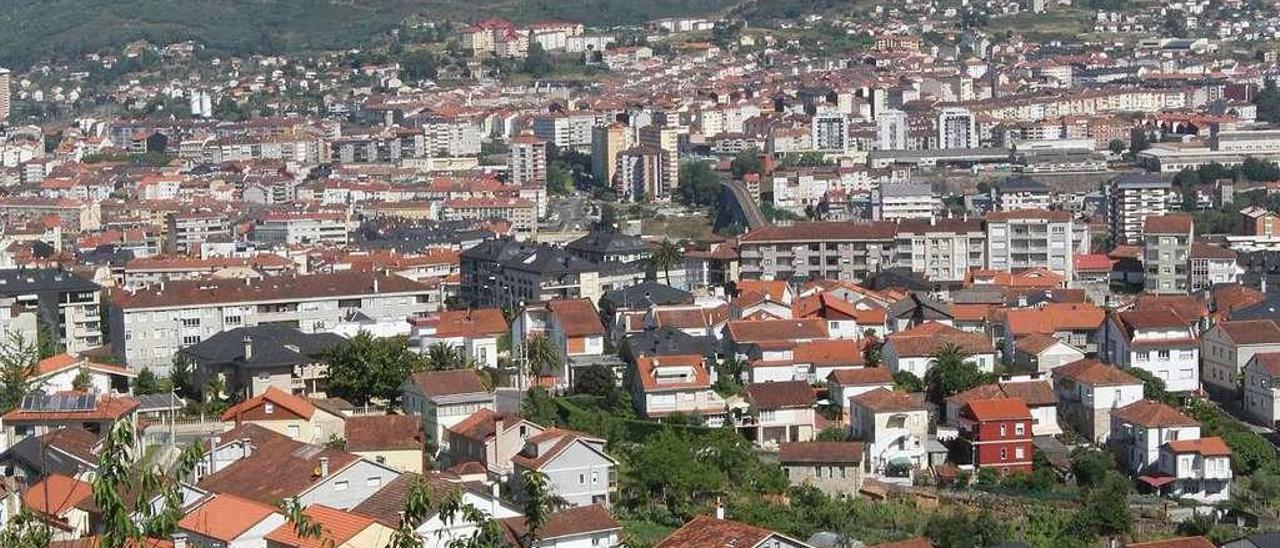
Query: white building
point(1130, 199)
point(957, 128)
point(894, 426)
point(1088, 390)
point(292, 228)
point(1261, 397)
point(904, 200)
point(891, 130)
point(1156, 341)
point(829, 132)
point(1022, 239)
point(1226, 349)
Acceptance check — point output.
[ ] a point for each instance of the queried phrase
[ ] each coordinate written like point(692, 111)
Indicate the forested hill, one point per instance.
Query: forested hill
point(32, 30)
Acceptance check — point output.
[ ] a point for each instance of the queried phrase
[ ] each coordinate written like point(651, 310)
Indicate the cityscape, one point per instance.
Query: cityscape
point(658, 274)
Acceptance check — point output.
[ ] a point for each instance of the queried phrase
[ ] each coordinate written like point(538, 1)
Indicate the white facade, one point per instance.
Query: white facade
point(957, 128)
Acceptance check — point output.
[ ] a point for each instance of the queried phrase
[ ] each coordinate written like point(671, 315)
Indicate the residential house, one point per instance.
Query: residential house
point(1157, 341)
point(1042, 353)
point(895, 428)
point(1038, 396)
point(717, 532)
point(1197, 469)
point(843, 384)
point(225, 520)
point(1088, 391)
point(40, 413)
point(70, 451)
point(835, 468)
point(434, 531)
point(58, 373)
point(1140, 428)
point(443, 399)
point(337, 528)
point(577, 468)
point(1076, 324)
point(917, 309)
point(390, 440)
point(845, 320)
point(999, 430)
point(54, 501)
point(912, 350)
point(250, 360)
point(1261, 388)
point(574, 328)
point(581, 527)
point(491, 439)
point(1225, 349)
point(780, 412)
point(662, 385)
point(288, 415)
point(473, 333)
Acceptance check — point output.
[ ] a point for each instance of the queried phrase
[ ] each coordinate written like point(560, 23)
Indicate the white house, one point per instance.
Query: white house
point(1228, 346)
point(1156, 341)
point(474, 333)
point(1261, 394)
point(1140, 428)
point(578, 469)
point(1198, 469)
point(1088, 390)
point(844, 384)
point(912, 350)
point(895, 427)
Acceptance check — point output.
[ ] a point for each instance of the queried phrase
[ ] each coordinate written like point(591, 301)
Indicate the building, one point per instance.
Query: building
point(390, 440)
point(522, 213)
point(443, 399)
point(1038, 396)
point(894, 426)
point(844, 384)
point(152, 325)
point(527, 160)
point(1227, 347)
point(578, 469)
point(943, 250)
point(1197, 469)
point(295, 228)
point(1140, 428)
point(1075, 324)
point(829, 132)
point(606, 142)
point(228, 520)
point(642, 174)
point(287, 415)
point(912, 350)
point(835, 468)
point(249, 360)
point(614, 247)
point(491, 439)
point(780, 412)
point(1166, 243)
point(63, 305)
point(1088, 390)
point(1029, 238)
point(902, 200)
point(6, 94)
point(840, 251)
point(666, 138)
point(473, 333)
point(567, 130)
point(717, 532)
point(1211, 265)
point(40, 413)
point(1260, 221)
point(1130, 199)
point(1156, 341)
point(999, 430)
point(503, 272)
point(662, 385)
point(186, 231)
point(1021, 192)
point(337, 527)
point(1261, 389)
point(891, 130)
point(957, 128)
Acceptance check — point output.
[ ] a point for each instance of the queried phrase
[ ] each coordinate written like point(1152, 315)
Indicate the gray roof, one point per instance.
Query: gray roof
point(644, 294)
point(906, 189)
point(273, 346)
point(668, 341)
point(1140, 180)
point(25, 281)
point(609, 243)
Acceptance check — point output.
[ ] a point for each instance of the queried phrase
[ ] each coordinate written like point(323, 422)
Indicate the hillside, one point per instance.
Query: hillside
point(31, 30)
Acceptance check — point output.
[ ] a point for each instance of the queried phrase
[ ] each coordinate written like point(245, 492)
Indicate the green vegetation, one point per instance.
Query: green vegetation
point(367, 368)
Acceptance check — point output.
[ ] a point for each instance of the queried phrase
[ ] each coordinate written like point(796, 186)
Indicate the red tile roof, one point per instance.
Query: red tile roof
point(1153, 415)
point(581, 520)
point(383, 433)
point(861, 376)
point(830, 352)
point(647, 372)
point(449, 383)
point(1093, 262)
point(820, 452)
point(1167, 224)
point(998, 409)
point(1054, 317)
point(336, 528)
point(577, 317)
point(1251, 331)
point(749, 331)
point(107, 409)
point(274, 288)
point(284, 400)
point(925, 339)
point(225, 517)
point(1181, 542)
point(1209, 447)
point(822, 231)
point(483, 322)
point(708, 532)
point(884, 399)
point(56, 494)
point(779, 395)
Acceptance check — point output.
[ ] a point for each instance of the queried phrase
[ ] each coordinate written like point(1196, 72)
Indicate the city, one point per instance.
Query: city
point(800, 273)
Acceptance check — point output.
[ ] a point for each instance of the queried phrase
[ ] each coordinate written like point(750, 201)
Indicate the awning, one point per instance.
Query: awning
point(1157, 481)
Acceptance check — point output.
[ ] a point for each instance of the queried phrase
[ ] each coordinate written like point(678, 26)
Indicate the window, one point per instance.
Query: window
point(375, 481)
point(268, 408)
point(1141, 356)
point(191, 322)
point(294, 431)
point(595, 477)
point(189, 340)
point(1019, 429)
point(582, 479)
point(1019, 453)
point(380, 459)
point(1004, 453)
point(232, 320)
point(1004, 430)
point(1162, 354)
point(341, 485)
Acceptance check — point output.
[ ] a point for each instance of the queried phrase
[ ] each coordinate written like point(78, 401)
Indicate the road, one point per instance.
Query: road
point(749, 207)
point(568, 213)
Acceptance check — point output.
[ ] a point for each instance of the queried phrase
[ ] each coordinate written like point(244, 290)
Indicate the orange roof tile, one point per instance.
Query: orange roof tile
point(285, 400)
point(56, 494)
point(1209, 447)
point(336, 528)
point(225, 517)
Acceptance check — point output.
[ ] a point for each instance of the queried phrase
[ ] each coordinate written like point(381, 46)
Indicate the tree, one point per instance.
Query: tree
point(366, 368)
point(872, 349)
point(1268, 102)
point(907, 382)
point(419, 65)
point(442, 356)
point(1090, 466)
point(961, 531)
point(536, 491)
point(146, 383)
point(831, 433)
point(597, 380)
point(1116, 146)
point(182, 376)
point(82, 382)
point(543, 358)
point(952, 373)
point(539, 407)
point(747, 161)
point(698, 184)
point(1153, 387)
point(665, 256)
point(537, 62)
point(608, 219)
point(137, 503)
point(18, 360)
point(1105, 511)
point(1138, 140)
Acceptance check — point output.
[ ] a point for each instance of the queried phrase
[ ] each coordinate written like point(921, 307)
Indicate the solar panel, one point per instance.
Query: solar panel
point(58, 402)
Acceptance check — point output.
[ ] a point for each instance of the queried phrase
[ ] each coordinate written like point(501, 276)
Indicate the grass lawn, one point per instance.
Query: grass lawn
point(693, 226)
point(1055, 22)
point(643, 533)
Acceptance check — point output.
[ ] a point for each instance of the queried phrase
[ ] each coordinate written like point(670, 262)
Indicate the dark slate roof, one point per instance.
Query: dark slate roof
point(65, 451)
point(919, 306)
point(24, 281)
point(159, 402)
point(903, 278)
point(645, 294)
point(1022, 183)
point(270, 347)
point(1263, 540)
point(608, 243)
point(528, 257)
point(109, 255)
point(669, 341)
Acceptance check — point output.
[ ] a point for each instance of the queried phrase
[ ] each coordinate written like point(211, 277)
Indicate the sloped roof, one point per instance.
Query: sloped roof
point(820, 452)
point(998, 409)
point(336, 528)
point(294, 404)
point(1153, 414)
point(925, 339)
point(778, 395)
point(383, 432)
point(884, 399)
point(449, 383)
point(225, 517)
point(1209, 447)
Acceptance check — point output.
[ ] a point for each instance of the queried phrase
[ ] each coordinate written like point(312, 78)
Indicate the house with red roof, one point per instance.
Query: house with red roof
point(1038, 395)
point(580, 526)
point(40, 413)
point(391, 440)
point(228, 520)
point(489, 438)
point(1260, 395)
point(845, 320)
point(54, 501)
point(845, 383)
point(1088, 390)
point(835, 468)
point(1228, 346)
point(443, 399)
point(58, 373)
point(1158, 341)
point(999, 430)
point(1200, 469)
point(473, 332)
point(578, 469)
point(287, 414)
point(780, 412)
point(1076, 324)
point(717, 532)
point(337, 528)
point(1140, 428)
point(662, 385)
point(912, 350)
point(574, 328)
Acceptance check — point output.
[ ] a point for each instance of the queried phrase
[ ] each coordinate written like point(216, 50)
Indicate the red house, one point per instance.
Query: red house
point(1000, 431)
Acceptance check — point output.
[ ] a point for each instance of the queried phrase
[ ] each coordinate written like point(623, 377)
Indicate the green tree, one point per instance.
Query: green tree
point(18, 360)
point(419, 65)
point(82, 382)
point(1153, 387)
point(537, 507)
point(127, 496)
point(1138, 140)
point(146, 383)
point(698, 184)
point(182, 376)
point(963, 531)
point(872, 349)
point(1090, 466)
point(665, 256)
point(366, 368)
point(539, 407)
point(1105, 510)
point(542, 357)
point(537, 62)
point(597, 380)
point(1116, 146)
point(747, 161)
point(952, 373)
point(1268, 102)
point(907, 382)
point(26, 530)
point(831, 433)
point(442, 356)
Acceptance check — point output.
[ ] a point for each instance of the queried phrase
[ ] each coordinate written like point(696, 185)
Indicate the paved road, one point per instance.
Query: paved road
point(566, 213)
point(755, 219)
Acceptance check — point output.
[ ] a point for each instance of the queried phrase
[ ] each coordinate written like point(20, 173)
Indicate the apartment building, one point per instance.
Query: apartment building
point(527, 160)
point(943, 250)
point(1130, 199)
point(6, 86)
point(505, 273)
point(185, 232)
point(1211, 265)
point(641, 173)
point(666, 138)
point(957, 128)
point(903, 200)
point(292, 228)
point(150, 325)
point(606, 143)
point(567, 129)
point(1227, 347)
point(1022, 192)
point(1166, 243)
point(521, 213)
point(829, 132)
point(1157, 341)
point(844, 251)
point(891, 130)
point(54, 303)
point(1029, 238)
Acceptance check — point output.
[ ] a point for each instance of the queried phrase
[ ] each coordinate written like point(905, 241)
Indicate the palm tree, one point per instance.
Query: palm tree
point(667, 255)
point(951, 373)
point(441, 356)
point(541, 356)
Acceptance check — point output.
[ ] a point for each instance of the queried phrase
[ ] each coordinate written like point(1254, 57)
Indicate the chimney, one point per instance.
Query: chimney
point(248, 348)
point(375, 283)
point(246, 445)
point(719, 508)
point(324, 467)
point(179, 540)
